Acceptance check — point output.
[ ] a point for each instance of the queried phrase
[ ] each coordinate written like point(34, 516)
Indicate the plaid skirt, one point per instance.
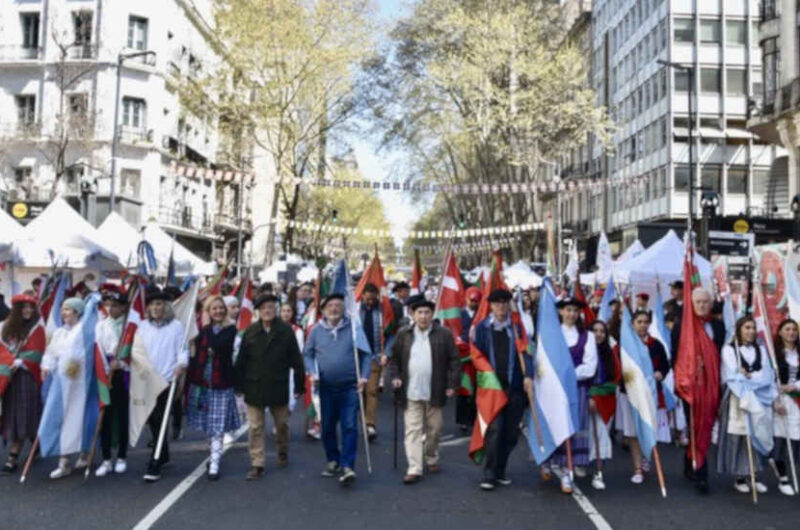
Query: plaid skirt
point(22, 407)
point(212, 411)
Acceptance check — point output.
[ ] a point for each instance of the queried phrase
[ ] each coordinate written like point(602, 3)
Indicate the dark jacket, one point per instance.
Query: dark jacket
point(446, 366)
point(221, 344)
point(262, 367)
point(512, 380)
point(717, 327)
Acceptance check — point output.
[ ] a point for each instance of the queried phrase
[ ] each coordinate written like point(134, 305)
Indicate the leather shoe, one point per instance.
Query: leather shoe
point(434, 468)
point(254, 473)
point(411, 479)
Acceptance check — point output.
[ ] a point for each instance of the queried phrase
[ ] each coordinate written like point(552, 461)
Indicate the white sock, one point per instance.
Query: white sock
point(216, 453)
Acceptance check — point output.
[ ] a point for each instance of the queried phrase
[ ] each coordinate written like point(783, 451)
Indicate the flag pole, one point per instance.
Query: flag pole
point(358, 375)
point(752, 468)
point(659, 471)
point(692, 444)
point(598, 461)
point(29, 461)
point(93, 447)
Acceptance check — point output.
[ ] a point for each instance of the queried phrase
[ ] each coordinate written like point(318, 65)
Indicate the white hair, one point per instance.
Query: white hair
point(697, 292)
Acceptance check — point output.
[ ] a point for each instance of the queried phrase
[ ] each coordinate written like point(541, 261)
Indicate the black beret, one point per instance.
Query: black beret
point(264, 298)
point(332, 296)
point(500, 295)
point(419, 300)
point(564, 302)
point(678, 284)
point(400, 285)
point(172, 292)
point(153, 293)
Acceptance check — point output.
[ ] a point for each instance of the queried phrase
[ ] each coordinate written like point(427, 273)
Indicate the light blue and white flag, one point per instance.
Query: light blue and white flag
point(640, 385)
point(555, 383)
point(660, 332)
point(609, 295)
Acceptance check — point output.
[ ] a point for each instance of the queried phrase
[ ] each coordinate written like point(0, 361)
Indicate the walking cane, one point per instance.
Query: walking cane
point(394, 450)
point(29, 461)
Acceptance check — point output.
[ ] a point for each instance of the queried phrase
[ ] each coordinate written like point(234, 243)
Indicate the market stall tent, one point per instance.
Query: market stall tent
point(162, 241)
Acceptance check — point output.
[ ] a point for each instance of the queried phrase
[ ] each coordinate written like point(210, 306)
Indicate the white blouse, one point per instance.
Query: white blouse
point(588, 366)
point(793, 360)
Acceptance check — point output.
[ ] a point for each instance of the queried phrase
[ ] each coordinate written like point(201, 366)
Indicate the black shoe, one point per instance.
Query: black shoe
point(702, 486)
point(153, 473)
point(11, 464)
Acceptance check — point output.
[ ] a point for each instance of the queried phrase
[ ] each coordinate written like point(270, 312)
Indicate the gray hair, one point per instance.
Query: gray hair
point(697, 292)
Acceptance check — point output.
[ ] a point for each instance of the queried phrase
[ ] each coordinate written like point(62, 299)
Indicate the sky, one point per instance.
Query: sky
point(378, 166)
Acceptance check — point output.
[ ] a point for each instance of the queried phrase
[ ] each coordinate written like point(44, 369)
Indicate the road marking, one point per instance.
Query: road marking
point(586, 505)
point(173, 496)
point(455, 441)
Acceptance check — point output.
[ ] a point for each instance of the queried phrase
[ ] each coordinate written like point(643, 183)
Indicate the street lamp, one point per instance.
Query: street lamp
point(121, 58)
point(690, 72)
point(709, 202)
point(795, 206)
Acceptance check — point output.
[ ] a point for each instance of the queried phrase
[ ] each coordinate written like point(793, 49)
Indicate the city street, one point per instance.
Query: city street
point(298, 498)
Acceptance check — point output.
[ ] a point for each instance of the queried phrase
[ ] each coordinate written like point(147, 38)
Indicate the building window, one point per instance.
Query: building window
point(736, 82)
point(769, 9)
point(22, 174)
point(684, 30)
point(760, 181)
point(710, 178)
point(78, 104)
point(82, 25)
point(710, 32)
point(137, 33)
point(736, 32)
point(130, 182)
point(681, 172)
point(737, 179)
point(771, 66)
point(681, 81)
point(710, 80)
point(26, 110)
point(133, 113)
point(30, 30)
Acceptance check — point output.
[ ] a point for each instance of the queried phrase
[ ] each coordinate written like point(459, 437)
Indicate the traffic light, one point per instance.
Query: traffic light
point(335, 216)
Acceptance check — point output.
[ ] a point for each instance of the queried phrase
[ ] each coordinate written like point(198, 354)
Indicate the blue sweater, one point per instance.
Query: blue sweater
point(329, 354)
point(484, 341)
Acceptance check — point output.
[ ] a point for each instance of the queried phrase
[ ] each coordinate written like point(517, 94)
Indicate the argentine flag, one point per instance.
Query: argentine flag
point(342, 285)
point(609, 295)
point(640, 386)
point(72, 405)
point(555, 384)
point(659, 331)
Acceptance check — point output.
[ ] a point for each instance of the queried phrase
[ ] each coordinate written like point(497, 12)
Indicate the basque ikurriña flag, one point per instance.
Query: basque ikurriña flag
point(640, 385)
point(76, 391)
point(659, 331)
point(555, 383)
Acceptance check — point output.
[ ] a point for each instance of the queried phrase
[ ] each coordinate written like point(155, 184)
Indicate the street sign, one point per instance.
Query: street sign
point(26, 211)
point(741, 226)
point(730, 243)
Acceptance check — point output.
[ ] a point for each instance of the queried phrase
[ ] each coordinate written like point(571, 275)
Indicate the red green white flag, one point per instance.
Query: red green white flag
point(416, 274)
point(135, 317)
point(374, 275)
point(246, 310)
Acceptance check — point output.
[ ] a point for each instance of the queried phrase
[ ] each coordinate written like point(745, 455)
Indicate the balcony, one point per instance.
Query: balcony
point(184, 218)
point(20, 130)
point(135, 135)
point(226, 221)
point(82, 52)
point(19, 53)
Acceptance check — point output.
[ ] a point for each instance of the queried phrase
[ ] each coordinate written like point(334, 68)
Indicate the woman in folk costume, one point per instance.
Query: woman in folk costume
point(746, 407)
point(602, 400)
point(583, 349)
point(60, 360)
point(211, 399)
point(661, 367)
point(289, 316)
point(24, 337)
point(787, 411)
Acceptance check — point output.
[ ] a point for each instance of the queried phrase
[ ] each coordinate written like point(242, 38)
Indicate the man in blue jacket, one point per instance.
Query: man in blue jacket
point(329, 357)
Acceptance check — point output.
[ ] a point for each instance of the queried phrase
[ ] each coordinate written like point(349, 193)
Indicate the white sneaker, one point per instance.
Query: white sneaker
point(566, 484)
point(637, 477)
point(579, 471)
point(597, 482)
point(761, 488)
point(104, 469)
point(120, 466)
point(60, 472)
point(81, 462)
point(786, 488)
point(741, 486)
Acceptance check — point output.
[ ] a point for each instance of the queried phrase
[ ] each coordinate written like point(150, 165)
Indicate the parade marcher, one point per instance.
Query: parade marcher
point(303, 299)
point(21, 401)
point(701, 306)
point(400, 308)
point(626, 424)
point(674, 306)
point(371, 320)
point(211, 403)
point(527, 314)
point(58, 359)
point(496, 337)
point(268, 354)
point(107, 337)
point(642, 302)
point(312, 425)
point(583, 349)
point(288, 317)
point(787, 411)
point(425, 369)
point(232, 303)
point(329, 355)
point(465, 400)
point(615, 320)
point(603, 397)
point(162, 337)
point(747, 375)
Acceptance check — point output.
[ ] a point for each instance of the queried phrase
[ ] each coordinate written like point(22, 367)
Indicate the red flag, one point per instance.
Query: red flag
point(697, 367)
point(374, 275)
point(448, 311)
point(6, 362)
point(588, 314)
point(416, 272)
point(489, 399)
point(495, 281)
point(246, 306)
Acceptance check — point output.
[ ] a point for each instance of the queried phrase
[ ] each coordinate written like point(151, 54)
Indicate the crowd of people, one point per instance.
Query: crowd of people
point(301, 347)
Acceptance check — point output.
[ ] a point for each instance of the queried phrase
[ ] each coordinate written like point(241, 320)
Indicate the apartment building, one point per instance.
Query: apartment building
point(78, 76)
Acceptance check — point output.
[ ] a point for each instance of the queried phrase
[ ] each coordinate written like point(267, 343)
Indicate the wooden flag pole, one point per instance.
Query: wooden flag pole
point(752, 469)
point(791, 461)
point(660, 472)
point(93, 447)
point(29, 461)
point(569, 459)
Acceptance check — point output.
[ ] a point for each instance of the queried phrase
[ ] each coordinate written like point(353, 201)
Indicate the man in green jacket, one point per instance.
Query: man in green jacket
point(268, 352)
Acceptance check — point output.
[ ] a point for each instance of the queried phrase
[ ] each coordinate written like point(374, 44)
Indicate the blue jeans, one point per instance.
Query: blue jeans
point(340, 406)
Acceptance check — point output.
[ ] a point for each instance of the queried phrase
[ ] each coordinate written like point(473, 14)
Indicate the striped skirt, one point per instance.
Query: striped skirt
point(22, 407)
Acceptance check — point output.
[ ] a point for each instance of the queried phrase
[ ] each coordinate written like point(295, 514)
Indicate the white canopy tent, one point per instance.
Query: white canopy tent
point(658, 266)
point(10, 231)
point(521, 275)
point(635, 248)
point(162, 245)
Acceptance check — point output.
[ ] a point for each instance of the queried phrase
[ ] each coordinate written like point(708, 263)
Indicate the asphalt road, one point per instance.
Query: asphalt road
point(298, 498)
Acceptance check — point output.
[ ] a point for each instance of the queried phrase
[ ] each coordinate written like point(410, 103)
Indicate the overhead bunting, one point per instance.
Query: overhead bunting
point(415, 234)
